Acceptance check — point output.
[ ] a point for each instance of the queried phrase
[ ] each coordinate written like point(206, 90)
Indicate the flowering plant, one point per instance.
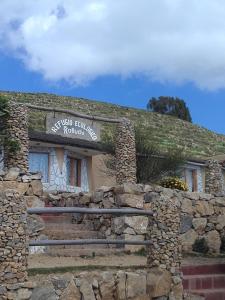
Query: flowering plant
point(174, 183)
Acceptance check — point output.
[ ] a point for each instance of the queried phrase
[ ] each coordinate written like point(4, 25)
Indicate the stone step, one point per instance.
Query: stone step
point(67, 218)
point(204, 269)
point(215, 294)
point(204, 281)
point(68, 226)
point(76, 252)
point(70, 234)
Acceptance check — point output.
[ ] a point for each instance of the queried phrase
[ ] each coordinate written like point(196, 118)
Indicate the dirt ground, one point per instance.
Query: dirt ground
point(45, 261)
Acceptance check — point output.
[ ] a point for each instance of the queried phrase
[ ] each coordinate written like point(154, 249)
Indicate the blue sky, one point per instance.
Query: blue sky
point(87, 49)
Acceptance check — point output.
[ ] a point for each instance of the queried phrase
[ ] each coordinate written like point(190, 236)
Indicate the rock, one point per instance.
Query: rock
point(186, 223)
point(26, 178)
point(135, 285)
point(199, 224)
point(118, 224)
point(35, 224)
point(121, 285)
point(23, 294)
point(129, 188)
point(151, 196)
point(43, 293)
point(159, 282)
point(188, 239)
point(34, 201)
point(133, 248)
point(220, 201)
point(60, 283)
point(204, 208)
point(107, 286)
point(22, 187)
point(37, 187)
point(71, 292)
point(12, 174)
point(204, 196)
point(128, 200)
point(186, 206)
point(220, 222)
point(36, 176)
point(85, 199)
point(213, 241)
point(129, 230)
point(177, 292)
point(97, 196)
point(138, 223)
point(86, 290)
point(3, 290)
point(192, 195)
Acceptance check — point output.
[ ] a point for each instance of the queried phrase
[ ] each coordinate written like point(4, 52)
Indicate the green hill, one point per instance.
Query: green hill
point(165, 131)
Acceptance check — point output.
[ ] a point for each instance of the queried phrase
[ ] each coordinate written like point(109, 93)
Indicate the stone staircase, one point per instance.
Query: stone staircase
point(205, 280)
point(61, 227)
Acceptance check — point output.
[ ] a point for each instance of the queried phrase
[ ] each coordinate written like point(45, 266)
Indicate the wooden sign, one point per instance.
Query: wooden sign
point(72, 127)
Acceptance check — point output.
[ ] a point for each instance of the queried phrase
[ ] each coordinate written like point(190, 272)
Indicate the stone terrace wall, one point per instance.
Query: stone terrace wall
point(108, 285)
point(14, 234)
point(202, 215)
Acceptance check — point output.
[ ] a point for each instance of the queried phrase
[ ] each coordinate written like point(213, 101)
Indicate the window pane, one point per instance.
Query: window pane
point(38, 162)
point(68, 170)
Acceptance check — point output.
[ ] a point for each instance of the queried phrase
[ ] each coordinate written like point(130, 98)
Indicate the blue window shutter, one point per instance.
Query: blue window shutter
point(38, 162)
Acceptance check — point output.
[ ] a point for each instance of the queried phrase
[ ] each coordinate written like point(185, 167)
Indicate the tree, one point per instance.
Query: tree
point(170, 106)
point(152, 165)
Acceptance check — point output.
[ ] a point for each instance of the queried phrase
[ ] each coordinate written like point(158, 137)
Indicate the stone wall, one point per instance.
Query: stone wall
point(17, 130)
point(14, 234)
point(125, 151)
point(214, 180)
point(118, 285)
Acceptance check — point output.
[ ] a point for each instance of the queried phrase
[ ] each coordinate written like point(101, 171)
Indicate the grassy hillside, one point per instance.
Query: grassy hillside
point(165, 131)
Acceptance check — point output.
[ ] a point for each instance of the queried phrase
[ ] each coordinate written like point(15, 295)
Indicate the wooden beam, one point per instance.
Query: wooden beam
point(72, 113)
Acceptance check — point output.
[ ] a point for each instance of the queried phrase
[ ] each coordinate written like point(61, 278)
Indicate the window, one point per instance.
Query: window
point(194, 180)
point(191, 178)
point(73, 167)
point(39, 162)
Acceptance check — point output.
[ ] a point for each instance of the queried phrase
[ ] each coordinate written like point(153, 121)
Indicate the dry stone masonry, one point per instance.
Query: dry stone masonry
point(164, 256)
point(214, 181)
point(125, 152)
point(17, 130)
point(13, 245)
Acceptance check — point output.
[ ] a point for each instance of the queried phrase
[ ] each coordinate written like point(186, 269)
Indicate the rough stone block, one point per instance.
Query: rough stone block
point(204, 208)
point(71, 292)
point(186, 223)
point(199, 224)
point(128, 200)
point(37, 187)
point(188, 239)
point(135, 285)
point(159, 282)
point(213, 241)
point(34, 201)
point(138, 223)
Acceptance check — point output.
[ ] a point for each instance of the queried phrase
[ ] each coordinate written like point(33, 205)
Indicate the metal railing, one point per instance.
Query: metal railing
point(113, 211)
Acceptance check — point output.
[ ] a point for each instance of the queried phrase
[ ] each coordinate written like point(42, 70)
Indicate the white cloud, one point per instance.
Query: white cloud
point(78, 40)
